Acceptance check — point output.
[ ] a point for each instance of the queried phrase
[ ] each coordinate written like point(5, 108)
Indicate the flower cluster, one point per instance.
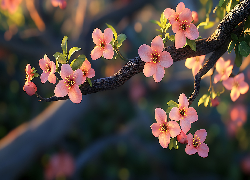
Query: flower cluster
point(165, 129)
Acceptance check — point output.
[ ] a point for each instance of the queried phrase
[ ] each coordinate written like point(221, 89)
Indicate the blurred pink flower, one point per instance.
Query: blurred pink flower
point(184, 28)
point(173, 16)
point(182, 138)
point(195, 16)
point(87, 70)
point(195, 63)
point(102, 41)
point(10, 5)
point(29, 73)
point(195, 144)
point(224, 69)
point(164, 129)
point(49, 68)
point(60, 165)
point(155, 59)
point(245, 164)
point(238, 114)
point(69, 84)
point(61, 3)
point(185, 114)
point(30, 88)
point(215, 102)
point(237, 85)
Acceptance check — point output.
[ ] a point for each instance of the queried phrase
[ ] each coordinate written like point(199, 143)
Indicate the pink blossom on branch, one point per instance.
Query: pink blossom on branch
point(224, 69)
point(102, 41)
point(237, 85)
point(186, 115)
point(164, 129)
point(61, 3)
point(155, 59)
point(87, 70)
point(195, 16)
point(10, 5)
point(195, 63)
point(195, 144)
point(30, 88)
point(49, 68)
point(173, 16)
point(29, 73)
point(184, 28)
point(69, 84)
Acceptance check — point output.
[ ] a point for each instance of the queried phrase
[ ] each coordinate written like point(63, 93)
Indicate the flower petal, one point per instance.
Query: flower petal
point(228, 84)
point(91, 73)
point(243, 87)
point(202, 134)
point(174, 128)
point(165, 59)
point(169, 12)
point(160, 115)
point(196, 68)
point(44, 77)
point(203, 150)
point(185, 125)
point(96, 53)
point(164, 139)
point(149, 69)
point(78, 76)
point(30, 88)
point(189, 139)
point(108, 35)
point(157, 44)
point(75, 94)
point(108, 52)
point(190, 62)
point(217, 77)
point(61, 89)
point(175, 114)
point(85, 65)
point(52, 78)
point(183, 101)
point(190, 150)
point(220, 65)
point(145, 53)
point(180, 7)
point(180, 39)
point(239, 77)
point(97, 36)
point(235, 94)
point(66, 71)
point(191, 115)
point(156, 129)
point(159, 74)
point(42, 64)
point(192, 32)
point(52, 66)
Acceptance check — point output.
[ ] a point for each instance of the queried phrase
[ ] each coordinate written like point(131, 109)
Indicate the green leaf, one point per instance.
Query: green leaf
point(60, 58)
point(202, 99)
point(231, 46)
point(209, 25)
point(64, 44)
point(120, 39)
point(171, 103)
point(209, 6)
point(171, 38)
point(155, 22)
point(89, 81)
point(77, 63)
point(72, 50)
point(113, 30)
point(238, 58)
point(206, 101)
point(176, 145)
point(171, 144)
point(192, 44)
point(221, 2)
point(244, 48)
point(234, 37)
point(36, 75)
point(163, 20)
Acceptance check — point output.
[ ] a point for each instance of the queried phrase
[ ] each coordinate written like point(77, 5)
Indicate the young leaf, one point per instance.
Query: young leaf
point(155, 22)
point(171, 103)
point(77, 63)
point(221, 2)
point(64, 44)
point(89, 81)
point(234, 37)
point(120, 39)
point(202, 99)
point(231, 46)
point(113, 30)
point(171, 144)
point(60, 58)
point(171, 38)
point(192, 44)
point(244, 48)
point(72, 50)
point(206, 101)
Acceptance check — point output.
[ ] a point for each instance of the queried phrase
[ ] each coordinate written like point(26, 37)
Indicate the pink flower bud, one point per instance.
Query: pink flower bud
point(215, 102)
point(182, 138)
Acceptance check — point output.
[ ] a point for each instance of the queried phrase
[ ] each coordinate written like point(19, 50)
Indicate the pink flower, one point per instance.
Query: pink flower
point(87, 70)
point(215, 102)
point(29, 73)
point(69, 84)
point(164, 129)
point(237, 85)
point(185, 114)
point(196, 144)
point(195, 16)
point(155, 59)
point(61, 3)
point(30, 88)
point(184, 28)
point(238, 115)
point(173, 16)
point(224, 69)
point(182, 138)
point(102, 41)
point(49, 68)
point(195, 63)
point(10, 5)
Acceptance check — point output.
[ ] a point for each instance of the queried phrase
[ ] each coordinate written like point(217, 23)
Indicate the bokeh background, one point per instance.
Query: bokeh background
point(108, 135)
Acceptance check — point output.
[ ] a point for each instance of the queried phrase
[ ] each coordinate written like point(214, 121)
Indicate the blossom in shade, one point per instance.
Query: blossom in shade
point(224, 69)
point(173, 16)
point(164, 129)
point(184, 28)
point(182, 138)
point(155, 59)
point(195, 16)
point(10, 5)
point(102, 41)
point(69, 84)
point(61, 3)
point(195, 63)
point(186, 115)
point(30, 88)
point(29, 73)
point(87, 70)
point(215, 102)
point(195, 144)
point(49, 68)
point(237, 85)
point(238, 115)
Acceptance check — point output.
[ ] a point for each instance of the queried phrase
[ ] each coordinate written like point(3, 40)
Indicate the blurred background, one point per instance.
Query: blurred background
point(108, 135)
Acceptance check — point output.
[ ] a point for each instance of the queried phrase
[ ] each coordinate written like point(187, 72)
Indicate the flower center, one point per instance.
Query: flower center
point(48, 68)
point(84, 72)
point(197, 59)
point(183, 112)
point(69, 80)
point(236, 84)
point(155, 57)
point(163, 128)
point(184, 25)
point(196, 141)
